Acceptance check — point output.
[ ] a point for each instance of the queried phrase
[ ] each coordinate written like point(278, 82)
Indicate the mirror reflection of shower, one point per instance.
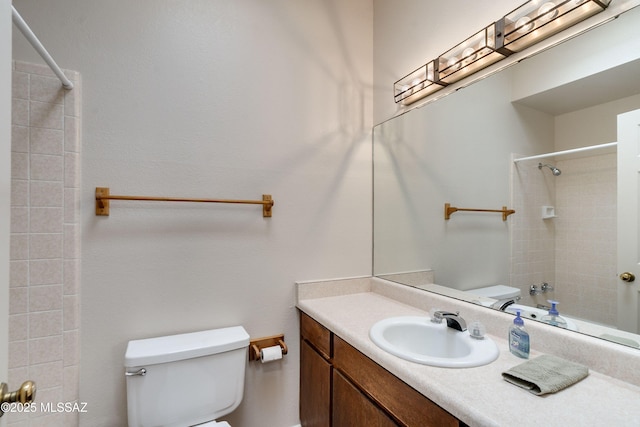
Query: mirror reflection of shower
point(554, 169)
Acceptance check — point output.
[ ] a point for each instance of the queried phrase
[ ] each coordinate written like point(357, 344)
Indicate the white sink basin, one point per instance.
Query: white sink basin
point(419, 340)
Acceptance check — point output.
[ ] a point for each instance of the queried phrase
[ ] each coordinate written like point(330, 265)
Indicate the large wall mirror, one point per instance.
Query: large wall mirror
point(566, 230)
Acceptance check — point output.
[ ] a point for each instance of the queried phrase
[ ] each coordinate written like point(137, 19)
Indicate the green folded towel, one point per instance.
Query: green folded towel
point(546, 374)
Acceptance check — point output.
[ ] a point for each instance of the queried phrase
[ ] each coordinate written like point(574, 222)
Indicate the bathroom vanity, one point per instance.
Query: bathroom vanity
point(345, 379)
point(341, 386)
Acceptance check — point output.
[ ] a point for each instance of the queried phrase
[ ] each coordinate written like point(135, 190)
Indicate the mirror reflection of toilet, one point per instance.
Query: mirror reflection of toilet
point(187, 379)
point(501, 295)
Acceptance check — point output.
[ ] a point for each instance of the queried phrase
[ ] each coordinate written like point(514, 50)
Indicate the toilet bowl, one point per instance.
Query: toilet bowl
point(501, 295)
point(186, 380)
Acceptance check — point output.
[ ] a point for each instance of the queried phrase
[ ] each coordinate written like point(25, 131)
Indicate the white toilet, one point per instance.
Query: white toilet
point(186, 380)
point(503, 294)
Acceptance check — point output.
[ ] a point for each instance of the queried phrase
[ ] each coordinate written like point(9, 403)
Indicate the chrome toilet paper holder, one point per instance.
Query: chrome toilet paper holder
point(255, 345)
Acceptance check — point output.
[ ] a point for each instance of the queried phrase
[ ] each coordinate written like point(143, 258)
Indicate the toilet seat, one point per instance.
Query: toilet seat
point(214, 424)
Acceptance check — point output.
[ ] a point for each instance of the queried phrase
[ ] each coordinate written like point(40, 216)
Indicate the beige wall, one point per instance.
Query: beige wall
point(227, 99)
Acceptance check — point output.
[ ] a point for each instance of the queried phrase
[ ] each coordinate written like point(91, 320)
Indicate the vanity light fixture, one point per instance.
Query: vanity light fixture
point(536, 20)
point(473, 54)
point(530, 23)
point(417, 84)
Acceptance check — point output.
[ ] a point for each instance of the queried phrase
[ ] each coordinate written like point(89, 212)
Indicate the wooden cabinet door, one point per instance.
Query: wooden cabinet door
point(315, 388)
point(352, 408)
point(401, 401)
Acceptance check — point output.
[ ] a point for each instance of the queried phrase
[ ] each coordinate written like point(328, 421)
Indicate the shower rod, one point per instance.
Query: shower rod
point(33, 40)
point(572, 151)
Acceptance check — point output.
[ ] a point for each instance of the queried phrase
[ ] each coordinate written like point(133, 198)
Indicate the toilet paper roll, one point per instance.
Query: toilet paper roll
point(269, 354)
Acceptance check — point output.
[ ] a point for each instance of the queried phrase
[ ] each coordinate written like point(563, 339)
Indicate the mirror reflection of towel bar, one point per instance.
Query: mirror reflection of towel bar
point(448, 210)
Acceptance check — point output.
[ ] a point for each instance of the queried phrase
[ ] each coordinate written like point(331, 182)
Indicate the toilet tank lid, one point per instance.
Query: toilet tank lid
point(496, 291)
point(184, 346)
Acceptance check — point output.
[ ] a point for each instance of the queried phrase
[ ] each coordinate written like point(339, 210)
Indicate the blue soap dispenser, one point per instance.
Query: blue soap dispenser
point(519, 338)
point(553, 318)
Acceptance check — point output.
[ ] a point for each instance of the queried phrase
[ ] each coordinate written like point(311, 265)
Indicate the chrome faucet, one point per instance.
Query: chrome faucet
point(453, 320)
point(544, 288)
point(504, 306)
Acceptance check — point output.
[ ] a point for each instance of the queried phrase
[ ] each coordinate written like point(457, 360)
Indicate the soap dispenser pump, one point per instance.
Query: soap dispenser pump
point(519, 338)
point(553, 318)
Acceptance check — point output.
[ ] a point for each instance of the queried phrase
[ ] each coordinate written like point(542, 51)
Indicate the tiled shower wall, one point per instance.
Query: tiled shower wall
point(45, 214)
point(586, 238)
point(576, 251)
point(532, 238)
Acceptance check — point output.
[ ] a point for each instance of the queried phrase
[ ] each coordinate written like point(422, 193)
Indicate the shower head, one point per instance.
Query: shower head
point(554, 169)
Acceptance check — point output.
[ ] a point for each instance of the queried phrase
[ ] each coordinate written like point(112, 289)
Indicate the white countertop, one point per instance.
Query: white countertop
point(477, 396)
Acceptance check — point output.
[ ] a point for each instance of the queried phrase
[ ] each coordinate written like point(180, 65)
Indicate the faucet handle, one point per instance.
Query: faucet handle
point(436, 315)
point(477, 330)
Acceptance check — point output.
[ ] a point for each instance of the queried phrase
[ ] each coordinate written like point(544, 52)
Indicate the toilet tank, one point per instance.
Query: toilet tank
point(188, 378)
point(501, 293)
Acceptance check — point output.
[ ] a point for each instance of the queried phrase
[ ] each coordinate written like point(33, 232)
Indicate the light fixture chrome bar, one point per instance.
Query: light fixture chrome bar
point(529, 24)
point(473, 54)
point(33, 40)
point(535, 21)
point(572, 151)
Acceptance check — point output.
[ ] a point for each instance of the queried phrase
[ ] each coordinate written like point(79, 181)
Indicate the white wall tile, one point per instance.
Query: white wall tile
point(39, 276)
point(71, 134)
point(46, 115)
point(46, 194)
point(20, 85)
point(46, 220)
point(46, 89)
point(19, 220)
point(20, 112)
point(19, 192)
point(19, 274)
point(46, 272)
point(45, 246)
point(47, 141)
point(19, 246)
point(45, 324)
point(19, 165)
point(43, 350)
point(18, 327)
point(19, 139)
point(47, 168)
point(45, 298)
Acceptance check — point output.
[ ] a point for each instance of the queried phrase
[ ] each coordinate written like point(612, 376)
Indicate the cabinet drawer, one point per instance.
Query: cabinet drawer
point(316, 334)
point(402, 402)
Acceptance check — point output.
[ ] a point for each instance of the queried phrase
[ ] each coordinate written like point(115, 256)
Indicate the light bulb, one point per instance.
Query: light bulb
point(453, 64)
point(524, 24)
point(469, 54)
point(416, 85)
point(548, 11)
